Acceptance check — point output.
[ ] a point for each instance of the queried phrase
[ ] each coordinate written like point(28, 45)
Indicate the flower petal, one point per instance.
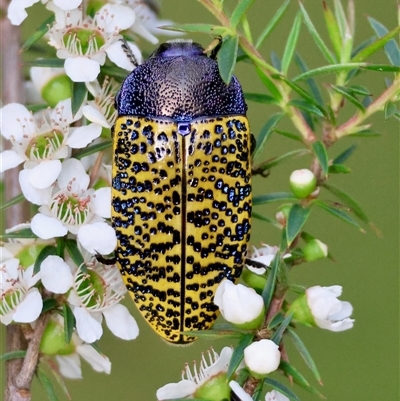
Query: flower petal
point(82, 69)
point(100, 363)
point(101, 203)
point(115, 17)
point(46, 227)
point(181, 389)
point(88, 328)
point(32, 194)
point(67, 5)
point(97, 237)
point(56, 275)
point(82, 136)
point(73, 172)
point(45, 173)
point(117, 55)
point(16, 121)
point(70, 366)
point(9, 159)
point(120, 322)
point(94, 115)
point(29, 309)
point(16, 10)
point(239, 392)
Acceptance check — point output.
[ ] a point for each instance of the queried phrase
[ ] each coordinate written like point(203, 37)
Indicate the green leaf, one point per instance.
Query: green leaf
point(46, 62)
point(348, 95)
point(334, 211)
point(24, 233)
point(57, 375)
point(338, 169)
point(48, 250)
point(227, 57)
point(273, 197)
point(260, 98)
point(344, 155)
point(275, 321)
point(306, 106)
point(310, 81)
point(272, 23)
point(75, 253)
point(290, 135)
point(298, 215)
point(13, 201)
point(391, 47)
point(69, 323)
point(269, 289)
point(277, 160)
point(340, 18)
point(322, 155)
point(365, 133)
point(266, 132)
point(359, 90)
point(376, 45)
point(333, 30)
point(348, 201)
point(8, 356)
point(237, 355)
point(291, 43)
point(298, 378)
point(303, 351)
point(389, 109)
point(239, 11)
point(317, 39)
point(275, 92)
point(281, 388)
point(213, 334)
point(93, 149)
point(327, 69)
point(277, 336)
point(112, 71)
point(276, 61)
point(381, 68)
point(201, 28)
point(264, 218)
point(47, 384)
point(36, 107)
point(40, 32)
point(79, 92)
point(49, 304)
point(307, 97)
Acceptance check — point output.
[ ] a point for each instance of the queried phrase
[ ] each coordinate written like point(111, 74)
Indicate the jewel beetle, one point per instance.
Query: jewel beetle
point(181, 187)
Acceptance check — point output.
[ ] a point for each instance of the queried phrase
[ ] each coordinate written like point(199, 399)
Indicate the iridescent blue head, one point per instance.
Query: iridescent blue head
point(179, 81)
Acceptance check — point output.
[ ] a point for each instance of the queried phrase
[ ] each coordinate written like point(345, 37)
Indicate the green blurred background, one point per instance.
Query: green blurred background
point(360, 364)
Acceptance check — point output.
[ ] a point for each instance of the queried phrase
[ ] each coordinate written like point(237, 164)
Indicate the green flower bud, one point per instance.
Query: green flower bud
point(303, 183)
point(314, 250)
point(214, 389)
point(57, 89)
point(53, 340)
point(254, 280)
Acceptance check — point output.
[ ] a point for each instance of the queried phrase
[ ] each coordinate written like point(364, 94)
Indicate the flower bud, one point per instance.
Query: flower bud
point(262, 357)
point(283, 213)
point(240, 305)
point(275, 396)
point(302, 183)
point(320, 307)
point(53, 340)
point(315, 249)
point(254, 280)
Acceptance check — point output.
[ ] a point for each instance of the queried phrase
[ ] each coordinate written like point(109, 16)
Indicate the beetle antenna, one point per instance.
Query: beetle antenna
point(128, 52)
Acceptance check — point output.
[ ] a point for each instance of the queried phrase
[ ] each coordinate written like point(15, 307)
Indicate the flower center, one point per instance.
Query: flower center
point(43, 146)
point(10, 300)
point(71, 209)
point(90, 288)
point(83, 41)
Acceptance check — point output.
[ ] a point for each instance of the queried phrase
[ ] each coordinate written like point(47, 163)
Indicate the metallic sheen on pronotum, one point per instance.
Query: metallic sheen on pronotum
point(181, 190)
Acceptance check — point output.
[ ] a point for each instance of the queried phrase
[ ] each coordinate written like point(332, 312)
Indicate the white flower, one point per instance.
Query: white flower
point(262, 357)
point(40, 141)
point(239, 304)
point(97, 293)
point(264, 255)
point(101, 110)
point(275, 396)
point(192, 382)
point(84, 43)
point(239, 392)
point(20, 300)
point(328, 312)
point(72, 207)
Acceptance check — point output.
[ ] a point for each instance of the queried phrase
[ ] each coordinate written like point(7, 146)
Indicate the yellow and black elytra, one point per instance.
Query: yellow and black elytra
point(181, 190)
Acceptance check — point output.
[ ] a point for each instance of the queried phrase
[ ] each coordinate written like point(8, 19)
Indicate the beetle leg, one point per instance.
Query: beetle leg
point(106, 261)
point(253, 263)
